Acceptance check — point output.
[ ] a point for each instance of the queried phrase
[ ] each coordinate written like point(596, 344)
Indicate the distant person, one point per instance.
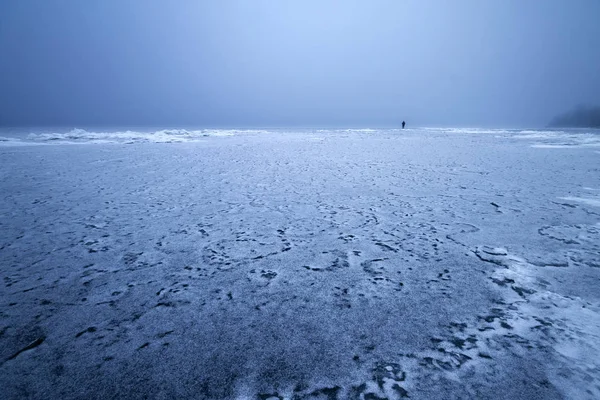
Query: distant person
point(403, 123)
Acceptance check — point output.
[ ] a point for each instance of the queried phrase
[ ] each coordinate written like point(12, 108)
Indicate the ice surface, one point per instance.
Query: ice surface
point(313, 264)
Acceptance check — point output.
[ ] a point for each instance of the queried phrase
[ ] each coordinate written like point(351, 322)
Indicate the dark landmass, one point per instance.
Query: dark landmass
point(581, 117)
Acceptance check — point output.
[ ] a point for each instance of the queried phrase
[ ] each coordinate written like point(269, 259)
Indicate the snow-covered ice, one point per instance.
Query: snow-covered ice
point(308, 264)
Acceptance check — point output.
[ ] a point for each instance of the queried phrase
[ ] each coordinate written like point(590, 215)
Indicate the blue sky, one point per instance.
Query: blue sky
point(296, 63)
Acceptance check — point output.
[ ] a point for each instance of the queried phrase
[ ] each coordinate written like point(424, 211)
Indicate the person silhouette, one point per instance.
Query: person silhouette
point(403, 123)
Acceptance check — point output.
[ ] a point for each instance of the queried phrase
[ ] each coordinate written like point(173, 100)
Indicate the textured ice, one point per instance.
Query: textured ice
point(592, 201)
point(562, 139)
point(331, 264)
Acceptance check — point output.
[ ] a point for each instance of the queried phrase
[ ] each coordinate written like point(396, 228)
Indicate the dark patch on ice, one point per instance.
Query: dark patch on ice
point(269, 396)
point(130, 258)
point(91, 329)
point(505, 281)
point(268, 274)
point(566, 204)
point(522, 291)
point(326, 393)
point(165, 304)
point(386, 247)
point(35, 343)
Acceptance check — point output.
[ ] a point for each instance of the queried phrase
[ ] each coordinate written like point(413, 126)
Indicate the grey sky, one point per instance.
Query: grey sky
point(296, 63)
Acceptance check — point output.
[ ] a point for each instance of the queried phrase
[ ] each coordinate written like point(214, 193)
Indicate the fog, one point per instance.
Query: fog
point(296, 63)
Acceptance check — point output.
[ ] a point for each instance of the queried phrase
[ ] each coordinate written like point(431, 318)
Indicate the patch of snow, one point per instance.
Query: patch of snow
point(590, 201)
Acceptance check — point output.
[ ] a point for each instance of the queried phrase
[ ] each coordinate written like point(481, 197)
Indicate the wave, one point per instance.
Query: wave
point(349, 130)
point(470, 130)
point(77, 136)
point(560, 139)
point(538, 137)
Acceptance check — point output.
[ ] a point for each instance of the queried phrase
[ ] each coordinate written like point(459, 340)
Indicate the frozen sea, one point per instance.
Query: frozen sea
point(365, 264)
